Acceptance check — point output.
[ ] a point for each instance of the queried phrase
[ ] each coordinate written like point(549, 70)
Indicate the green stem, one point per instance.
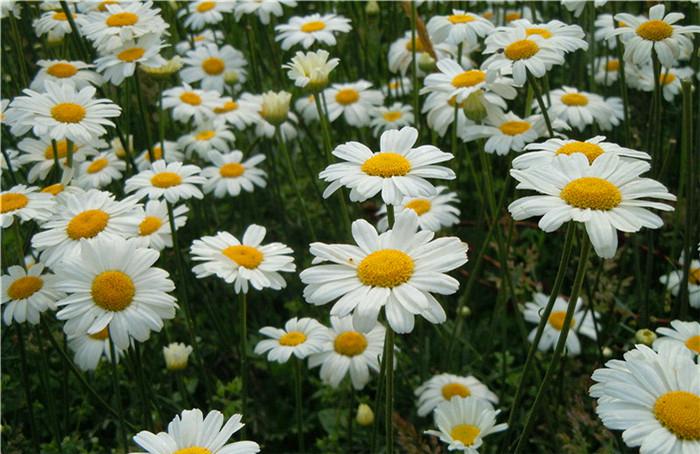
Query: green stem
point(143, 387)
point(540, 103)
point(26, 386)
point(114, 376)
point(69, 147)
point(299, 406)
point(46, 388)
point(351, 410)
point(295, 182)
point(144, 115)
point(243, 297)
point(389, 399)
point(414, 68)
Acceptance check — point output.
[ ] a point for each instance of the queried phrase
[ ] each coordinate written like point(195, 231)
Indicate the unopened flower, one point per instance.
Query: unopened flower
point(275, 107)
point(176, 355)
point(365, 415)
point(311, 69)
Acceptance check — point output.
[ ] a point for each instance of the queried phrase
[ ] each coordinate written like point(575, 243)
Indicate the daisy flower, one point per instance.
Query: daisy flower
point(511, 15)
point(262, 9)
point(440, 109)
point(507, 132)
point(173, 181)
point(100, 171)
point(401, 53)
point(458, 28)
point(153, 228)
point(189, 103)
point(176, 355)
point(172, 154)
point(398, 270)
point(397, 169)
point(348, 349)
point(397, 87)
point(62, 112)
point(514, 51)
point(653, 398)
point(434, 211)
point(10, 7)
point(658, 33)
point(539, 154)
point(243, 262)
point(607, 195)
point(300, 337)
point(310, 29)
point(25, 203)
point(121, 61)
point(199, 39)
point(237, 112)
point(459, 83)
point(607, 70)
point(581, 323)
point(672, 281)
point(54, 24)
point(192, 433)
point(230, 174)
point(62, 71)
point(464, 422)
point(40, 154)
point(205, 138)
point(84, 217)
point(684, 334)
point(88, 349)
point(568, 38)
point(579, 108)
point(577, 6)
point(442, 387)
point(311, 69)
point(395, 116)
point(669, 80)
point(26, 294)
point(306, 106)
point(113, 282)
point(199, 14)
point(605, 24)
point(352, 100)
point(209, 65)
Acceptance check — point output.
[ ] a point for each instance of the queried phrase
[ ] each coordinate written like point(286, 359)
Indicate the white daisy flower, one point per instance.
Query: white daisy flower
point(199, 39)
point(442, 387)
point(62, 112)
point(113, 282)
point(191, 433)
point(27, 294)
point(440, 109)
point(510, 15)
point(230, 174)
point(464, 422)
point(616, 114)
point(57, 190)
point(207, 137)
point(395, 116)
point(209, 65)
point(300, 337)
point(605, 24)
point(352, 100)
point(88, 349)
point(274, 106)
point(577, 6)
point(84, 216)
point(460, 83)
point(434, 211)
point(401, 54)
point(306, 106)
point(153, 229)
point(607, 70)
point(684, 334)
point(653, 398)
point(581, 323)
point(397, 169)
point(100, 171)
point(238, 112)
point(54, 24)
point(40, 154)
point(189, 103)
point(398, 270)
point(658, 33)
point(310, 29)
point(673, 280)
point(579, 108)
point(669, 80)
point(176, 355)
point(569, 38)
point(10, 7)
point(458, 28)
point(348, 349)
point(25, 203)
point(262, 9)
point(172, 181)
point(172, 154)
point(243, 262)
point(62, 71)
point(311, 69)
point(3, 107)
point(607, 195)
point(397, 87)
point(121, 61)
point(507, 132)
point(201, 13)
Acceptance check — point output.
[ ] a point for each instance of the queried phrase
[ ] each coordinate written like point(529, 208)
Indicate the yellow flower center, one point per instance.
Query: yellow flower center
point(420, 206)
point(612, 65)
point(61, 149)
point(166, 179)
point(122, 19)
point(460, 18)
point(97, 165)
point(385, 268)
point(666, 78)
point(157, 154)
point(453, 102)
point(418, 44)
point(694, 276)
point(228, 106)
point(131, 55)
point(205, 135)
point(693, 343)
point(213, 66)
point(87, 224)
point(574, 99)
point(591, 193)
point(231, 170)
point(350, 343)
point(149, 225)
point(392, 115)
point(468, 78)
point(53, 189)
point(347, 96)
point(655, 30)
point(191, 98)
point(24, 287)
point(292, 338)
point(101, 335)
point(512, 15)
point(68, 112)
point(590, 150)
point(245, 256)
point(113, 290)
point(11, 201)
point(521, 50)
point(203, 8)
point(194, 449)
point(59, 16)
point(103, 5)
point(313, 26)
point(386, 164)
point(513, 128)
point(679, 412)
point(466, 433)
point(543, 32)
point(62, 70)
point(556, 320)
point(455, 389)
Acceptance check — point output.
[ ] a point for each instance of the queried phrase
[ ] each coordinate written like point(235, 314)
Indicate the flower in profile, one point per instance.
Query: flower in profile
point(275, 107)
point(243, 263)
point(568, 38)
point(188, 102)
point(238, 112)
point(669, 79)
point(169, 154)
point(310, 70)
point(176, 355)
point(100, 171)
point(683, 334)
point(434, 211)
point(459, 83)
point(201, 13)
point(26, 294)
point(113, 282)
point(508, 132)
point(173, 181)
point(208, 64)
point(54, 24)
point(192, 433)
point(121, 62)
point(353, 101)
point(42, 155)
point(673, 281)
point(580, 109)
point(230, 174)
point(397, 87)
point(89, 349)
point(165, 69)
point(310, 29)
point(396, 170)
point(442, 387)
point(401, 54)
point(464, 422)
point(607, 71)
point(395, 116)
point(577, 6)
point(153, 229)
point(348, 349)
point(300, 337)
point(62, 71)
point(399, 271)
point(25, 203)
point(210, 135)
point(460, 27)
point(262, 9)
point(606, 196)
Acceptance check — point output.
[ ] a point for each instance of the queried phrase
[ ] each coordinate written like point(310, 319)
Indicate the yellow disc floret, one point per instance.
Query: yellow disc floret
point(386, 164)
point(87, 224)
point(350, 343)
point(113, 290)
point(24, 287)
point(591, 193)
point(513, 128)
point(679, 412)
point(68, 112)
point(590, 150)
point(149, 225)
point(385, 268)
point(468, 78)
point(455, 389)
point(655, 30)
point(313, 26)
point(122, 19)
point(62, 70)
point(292, 338)
point(347, 96)
point(166, 180)
point(245, 256)
point(420, 206)
point(232, 170)
point(11, 201)
point(466, 433)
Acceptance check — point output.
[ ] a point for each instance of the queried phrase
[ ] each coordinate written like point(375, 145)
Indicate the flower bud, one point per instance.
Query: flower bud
point(426, 63)
point(231, 77)
point(165, 70)
point(372, 8)
point(465, 311)
point(176, 355)
point(275, 107)
point(607, 352)
point(645, 336)
point(474, 107)
point(365, 415)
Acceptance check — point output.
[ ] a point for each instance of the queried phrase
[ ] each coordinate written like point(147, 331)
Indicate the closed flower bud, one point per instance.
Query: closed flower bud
point(465, 311)
point(231, 77)
point(165, 70)
point(365, 415)
point(474, 108)
point(607, 352)
point(275, 107)
point(176, 355)
point(645, 336)
point(372, 8)
point(426, 63)
point(311, 70)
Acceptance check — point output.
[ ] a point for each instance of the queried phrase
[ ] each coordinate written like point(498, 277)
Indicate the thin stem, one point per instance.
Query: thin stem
point(46, 387)
point(351, 409)
point(414, 68)
point(117, 395)
point(69, 147)
point(377, 399)
point(26, 386)
point(143, 387)
point(540, 102)
point(295, 182)
point(243, 297)
point(389, 399)
point(144, 115)
point(299, 406)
